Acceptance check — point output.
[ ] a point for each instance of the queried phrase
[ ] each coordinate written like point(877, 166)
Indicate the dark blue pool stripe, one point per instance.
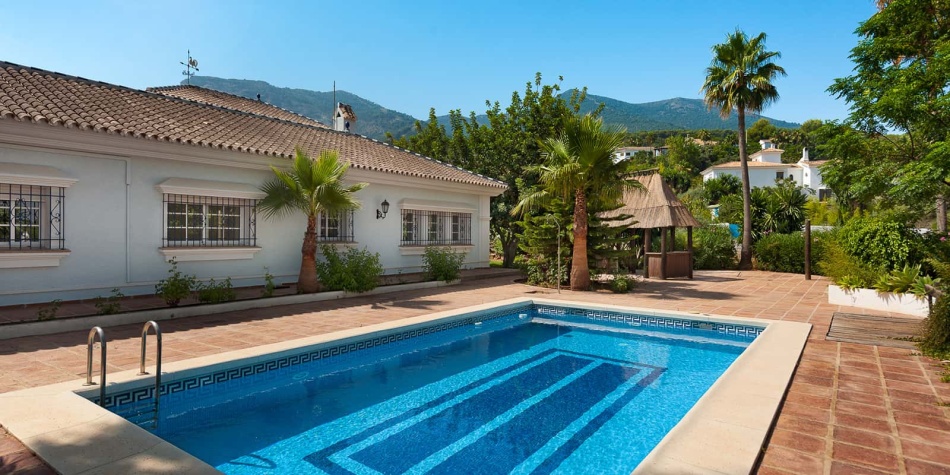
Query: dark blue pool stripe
point(565, 450)
point(401, 451)
point(320, 458)
point(504, 448)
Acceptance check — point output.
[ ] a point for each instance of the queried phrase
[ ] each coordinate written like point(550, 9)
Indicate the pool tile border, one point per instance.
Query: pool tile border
point(41, 417)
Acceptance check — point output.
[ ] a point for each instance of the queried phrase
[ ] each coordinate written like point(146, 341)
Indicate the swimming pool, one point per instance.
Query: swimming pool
point(723, 432)
point(530, 389)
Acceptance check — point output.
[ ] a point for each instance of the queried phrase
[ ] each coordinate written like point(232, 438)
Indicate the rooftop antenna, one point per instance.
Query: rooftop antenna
point(191, 64)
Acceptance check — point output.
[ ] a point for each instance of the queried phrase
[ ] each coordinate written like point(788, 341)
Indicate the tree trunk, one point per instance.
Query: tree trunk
point(580, 272)
point(510, 248)
point(307, 282)
point(745, 255)
point(941, 213)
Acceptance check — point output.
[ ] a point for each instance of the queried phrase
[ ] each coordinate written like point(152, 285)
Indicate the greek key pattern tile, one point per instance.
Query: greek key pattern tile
point(223, 377)
point(647, 320)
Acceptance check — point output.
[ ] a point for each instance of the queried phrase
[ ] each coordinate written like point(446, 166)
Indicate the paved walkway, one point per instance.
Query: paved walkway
point(850, 409)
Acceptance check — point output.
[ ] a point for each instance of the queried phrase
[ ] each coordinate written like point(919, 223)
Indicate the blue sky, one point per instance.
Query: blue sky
point(413, 55)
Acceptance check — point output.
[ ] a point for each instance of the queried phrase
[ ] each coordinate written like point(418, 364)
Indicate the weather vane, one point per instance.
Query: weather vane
point(191, 64)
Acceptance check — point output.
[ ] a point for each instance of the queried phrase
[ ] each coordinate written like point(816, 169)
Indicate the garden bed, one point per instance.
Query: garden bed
point(908, 304)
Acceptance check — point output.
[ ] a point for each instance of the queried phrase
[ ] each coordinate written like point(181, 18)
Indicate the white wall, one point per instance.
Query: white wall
point(114, 230)
point(758, 177)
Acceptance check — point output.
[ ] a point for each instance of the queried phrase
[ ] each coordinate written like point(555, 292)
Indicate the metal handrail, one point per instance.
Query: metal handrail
point(158, 358)
point(102, 362)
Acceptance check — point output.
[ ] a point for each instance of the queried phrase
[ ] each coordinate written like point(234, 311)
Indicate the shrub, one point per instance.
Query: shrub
point(936, 337)
point(841, 267)
point(269, 285)
point(780, 253)
point(216, 292)
point(356, 270)
point(442, 263)
point(176, 287)
point(622, 284)
point(49, 313)
point(713, 248)
point(111, 304)
point(543, 270)
point(883, 243)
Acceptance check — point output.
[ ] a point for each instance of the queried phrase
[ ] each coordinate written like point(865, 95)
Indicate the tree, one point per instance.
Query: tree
point(579, 165)
point(900, 85)
point(739, 79)
point(502, 144)
point(311, 187)
point(762, 129)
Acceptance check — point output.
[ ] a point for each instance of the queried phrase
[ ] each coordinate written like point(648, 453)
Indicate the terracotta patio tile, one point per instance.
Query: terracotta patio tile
point(910, 406)
point(797, 441)
point(864, 456)
point(863, 423)
point(802, 425)
point(873, 440)
point(927, 452)
point(923, 434)
point(792, 460)
point(919, 467)
point(859, 397)
point(912, 396)
point(864, 410)
point(840, 468)
point(923, 420)
point(807, 412)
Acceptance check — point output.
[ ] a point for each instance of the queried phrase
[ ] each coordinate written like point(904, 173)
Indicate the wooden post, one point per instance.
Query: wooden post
point(647, 237)
point(663, 253)
point(689, 249)
point(807, 249)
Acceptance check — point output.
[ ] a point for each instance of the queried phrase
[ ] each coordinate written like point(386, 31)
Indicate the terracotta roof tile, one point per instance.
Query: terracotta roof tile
point(738, 164)
point(231, 101)
point(34, 95)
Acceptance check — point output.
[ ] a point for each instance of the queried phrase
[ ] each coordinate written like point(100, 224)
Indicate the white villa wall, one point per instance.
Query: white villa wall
point(114, 231)
point(758, 177)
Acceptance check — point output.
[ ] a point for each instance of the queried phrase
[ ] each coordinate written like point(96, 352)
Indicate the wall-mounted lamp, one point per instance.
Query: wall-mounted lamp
point(382, 214)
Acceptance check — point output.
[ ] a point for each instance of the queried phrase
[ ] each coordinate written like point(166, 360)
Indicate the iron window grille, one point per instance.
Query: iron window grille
point(335, 227)
point(436, 228)
point(208, 221)
point(32, 217)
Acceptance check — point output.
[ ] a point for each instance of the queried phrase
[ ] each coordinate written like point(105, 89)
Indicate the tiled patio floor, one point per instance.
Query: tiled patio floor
point(850, 409)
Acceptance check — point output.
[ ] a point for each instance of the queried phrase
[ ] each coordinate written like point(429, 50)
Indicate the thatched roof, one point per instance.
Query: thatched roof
point(655, 206)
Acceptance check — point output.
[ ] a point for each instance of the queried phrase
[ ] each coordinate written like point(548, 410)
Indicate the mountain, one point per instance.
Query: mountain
point(670, 114)
point(373, 120)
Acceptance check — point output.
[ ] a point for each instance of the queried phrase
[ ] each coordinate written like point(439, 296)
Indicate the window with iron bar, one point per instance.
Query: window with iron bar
point(209, 221)
point(335, 227)
point(438, 228)
point(31, 217)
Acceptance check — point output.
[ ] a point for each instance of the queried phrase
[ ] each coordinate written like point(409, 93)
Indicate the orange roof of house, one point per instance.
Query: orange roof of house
point(231, 101)
point(44, 97)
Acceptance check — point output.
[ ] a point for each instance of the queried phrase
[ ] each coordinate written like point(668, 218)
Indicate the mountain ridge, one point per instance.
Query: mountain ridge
point(375, 120)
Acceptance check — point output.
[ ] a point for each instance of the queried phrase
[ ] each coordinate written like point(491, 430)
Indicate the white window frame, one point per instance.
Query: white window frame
point(50, 246)
point(210, 194)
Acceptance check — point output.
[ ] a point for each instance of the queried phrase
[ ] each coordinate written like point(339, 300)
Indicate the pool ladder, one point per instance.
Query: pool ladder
point(99, 332)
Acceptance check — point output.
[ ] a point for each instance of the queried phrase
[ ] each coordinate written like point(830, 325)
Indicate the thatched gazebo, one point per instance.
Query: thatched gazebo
point(656, 207)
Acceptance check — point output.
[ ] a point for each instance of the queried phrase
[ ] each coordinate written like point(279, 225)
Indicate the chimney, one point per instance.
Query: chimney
point(804, 154)
point(258, 98)
point(766, 144)
point(344, 118)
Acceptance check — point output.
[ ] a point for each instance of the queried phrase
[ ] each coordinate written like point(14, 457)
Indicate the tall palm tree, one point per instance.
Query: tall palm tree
point(579, 163)
point(311, 187)
point(739, 79)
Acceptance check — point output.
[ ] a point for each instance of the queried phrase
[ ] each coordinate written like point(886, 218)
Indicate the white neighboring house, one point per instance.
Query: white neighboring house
point(101, 184)
point(765, 166)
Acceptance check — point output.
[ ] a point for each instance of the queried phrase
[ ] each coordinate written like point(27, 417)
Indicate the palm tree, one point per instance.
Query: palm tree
point(311, 187)
point(740, 79)
point(578, 163)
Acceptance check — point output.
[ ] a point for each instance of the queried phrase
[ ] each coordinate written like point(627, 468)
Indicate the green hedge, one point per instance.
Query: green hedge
point(786, 252)
point(355, 270)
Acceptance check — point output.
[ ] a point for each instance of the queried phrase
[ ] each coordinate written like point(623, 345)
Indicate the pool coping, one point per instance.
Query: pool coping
point(722, 433)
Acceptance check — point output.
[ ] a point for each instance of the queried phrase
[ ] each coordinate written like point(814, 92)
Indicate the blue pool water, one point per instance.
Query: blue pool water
point(523, 393)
